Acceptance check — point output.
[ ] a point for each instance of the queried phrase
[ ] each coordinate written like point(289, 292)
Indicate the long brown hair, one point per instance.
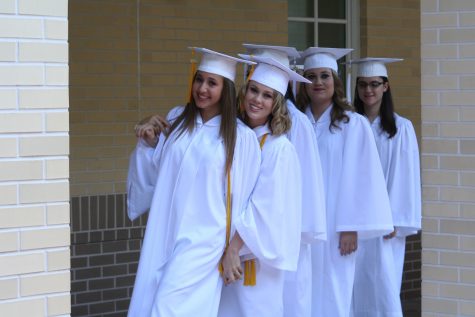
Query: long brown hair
point(186, 120)
point(340, 104)
point(279, 118)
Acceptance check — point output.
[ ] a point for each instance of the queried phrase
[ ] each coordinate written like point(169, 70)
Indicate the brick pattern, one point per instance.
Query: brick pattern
point(34, 149)
point(448, 140)
point(105, 248)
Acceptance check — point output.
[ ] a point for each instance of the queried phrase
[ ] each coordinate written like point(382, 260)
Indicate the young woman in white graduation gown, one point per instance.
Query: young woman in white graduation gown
point(186, 181)
point(298, 284)
point(357, 203)
point(380, 261)
point(267, 234)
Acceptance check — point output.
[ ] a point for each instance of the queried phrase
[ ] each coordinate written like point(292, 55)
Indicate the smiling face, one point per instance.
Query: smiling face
point(258, 103)
point(207, 89)
point(322, 88)
point(371, 90)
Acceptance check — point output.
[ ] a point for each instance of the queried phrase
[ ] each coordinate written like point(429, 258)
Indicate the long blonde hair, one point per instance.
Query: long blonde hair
point(279, 118)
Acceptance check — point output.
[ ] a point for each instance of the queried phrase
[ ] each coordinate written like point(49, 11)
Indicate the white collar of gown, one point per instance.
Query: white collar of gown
point(214, 121)
point(325, 117)
point(261, 130)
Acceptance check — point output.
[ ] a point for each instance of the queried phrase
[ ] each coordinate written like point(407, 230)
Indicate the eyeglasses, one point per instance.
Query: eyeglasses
point(372, 85)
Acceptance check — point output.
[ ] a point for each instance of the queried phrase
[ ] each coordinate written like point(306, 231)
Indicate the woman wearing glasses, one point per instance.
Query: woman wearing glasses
point(380, 260)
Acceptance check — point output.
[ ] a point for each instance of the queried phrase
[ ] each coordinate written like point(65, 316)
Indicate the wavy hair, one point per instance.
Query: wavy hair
point(386, 111)
point(279, 118)
point(340, 104)
point(228, 129)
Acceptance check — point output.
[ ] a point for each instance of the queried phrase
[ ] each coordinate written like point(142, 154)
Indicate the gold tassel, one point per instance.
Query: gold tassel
point(192, 74)
point(250, 273)
point(251, 71)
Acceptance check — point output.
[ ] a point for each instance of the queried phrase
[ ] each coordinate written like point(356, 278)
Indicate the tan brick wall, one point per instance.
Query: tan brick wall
point(34, 163)
point(448, 138)
point(129, 60)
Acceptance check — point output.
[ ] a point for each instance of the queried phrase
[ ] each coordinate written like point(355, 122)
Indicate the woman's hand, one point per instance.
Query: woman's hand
point(231, 262)
point(150, 128)
point(348, 242)
point(391, 235)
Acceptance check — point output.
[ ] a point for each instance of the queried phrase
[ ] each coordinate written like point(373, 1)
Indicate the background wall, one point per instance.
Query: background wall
point(34, 166)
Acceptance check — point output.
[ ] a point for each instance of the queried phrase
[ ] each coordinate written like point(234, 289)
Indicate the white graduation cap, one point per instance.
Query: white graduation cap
point(282, 54)
point(373, 66)
point(218, 63)
point(323, 57)
point(272, 73)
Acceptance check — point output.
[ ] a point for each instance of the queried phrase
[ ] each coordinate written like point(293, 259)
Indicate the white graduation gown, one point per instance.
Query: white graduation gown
point(400, 161)
point(270, 227)
point(298, 286)
point(186, 229)
point(352, 173)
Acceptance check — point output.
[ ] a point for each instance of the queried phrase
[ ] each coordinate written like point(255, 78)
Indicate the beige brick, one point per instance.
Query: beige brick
point(8, 288)
point(21, 170)
point(22, 216)
point(440, 241)
point(430, 193)
point(439, 114)
point(430, 225)
point(467, 82)
point(463, 227)
point(57, 75)
point(28, 307)
point(462, 130)
point(43, 52)
point(21, 75)
point(8, 241)
point(56, 29)
point(467, 308)
point(439, 178)
point(439, 305)
point(430, 288)
point(59, 305)
point(457, 259)
point(44, 98)
point(57, 214)
point(466, 292)
point(457, 163)
point(30, 122)
point(467, 243)
point(429, 161)
point(45, 7)
point(430, 130)
point(440, 146)
point(44, 145)
point(7, 6)
point(456, 5)
point(21, 28)
point(44, 238)
point(457, 67)
point(439, 82)
point(439, 20)
point(57, 121)
point(458, 194)
point(467, 50)
point(429, 257)
point(456, 35)
point(439, 51)
point(58, 260)
point(8, 194)
point(45, 192)
point(467, 114)
point(21, 264)
point(57, 169)
point(467, 179)
point(438, 209)
point(44, 284)
point(467, 211)
point(8, 99)
point(429, 98)
point(7, 51)
point(429, 67)
point(8, 147)
point(429, 37)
